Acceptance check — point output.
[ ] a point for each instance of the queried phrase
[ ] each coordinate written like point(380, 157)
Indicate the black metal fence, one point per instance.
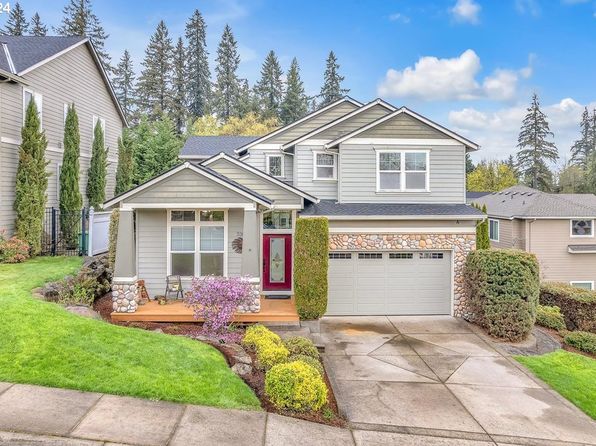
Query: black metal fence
point(66, 233)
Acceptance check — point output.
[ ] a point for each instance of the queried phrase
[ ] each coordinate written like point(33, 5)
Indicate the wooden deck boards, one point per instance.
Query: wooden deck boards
point(272, 310)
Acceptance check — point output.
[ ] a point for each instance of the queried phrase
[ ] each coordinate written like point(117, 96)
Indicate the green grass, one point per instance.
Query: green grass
point(570, 374)
point(41, 343)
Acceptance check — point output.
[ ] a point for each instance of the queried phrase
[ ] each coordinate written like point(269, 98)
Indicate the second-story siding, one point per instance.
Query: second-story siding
point(258, 159)
point(303, 174)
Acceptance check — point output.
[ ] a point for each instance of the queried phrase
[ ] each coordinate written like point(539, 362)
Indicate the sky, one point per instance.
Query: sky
point(470, 65)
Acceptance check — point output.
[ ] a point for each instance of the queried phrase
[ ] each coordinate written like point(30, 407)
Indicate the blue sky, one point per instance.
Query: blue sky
point(471, 65)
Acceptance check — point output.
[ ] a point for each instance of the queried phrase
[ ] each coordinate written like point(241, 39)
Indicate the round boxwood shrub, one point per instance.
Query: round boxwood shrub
point(582, 340)
point(315, 363)
point(502, 289)
point(295, 385)
point(299, 345)
point(550, 317)
point(270, 353)
point(256, 334)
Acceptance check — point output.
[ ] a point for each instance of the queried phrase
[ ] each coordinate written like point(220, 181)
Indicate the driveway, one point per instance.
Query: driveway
point(435, 375)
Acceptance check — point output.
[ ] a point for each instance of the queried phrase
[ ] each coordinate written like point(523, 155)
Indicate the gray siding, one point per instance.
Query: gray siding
point(511, 234)
point(235, 229)
point(255, 182)
point(402, 126)
point(303, 179)
point(257, 159)
point(357, 172)
point(353, 123)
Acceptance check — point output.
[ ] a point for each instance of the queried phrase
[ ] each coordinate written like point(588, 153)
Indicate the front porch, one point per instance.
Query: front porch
point(273, 311)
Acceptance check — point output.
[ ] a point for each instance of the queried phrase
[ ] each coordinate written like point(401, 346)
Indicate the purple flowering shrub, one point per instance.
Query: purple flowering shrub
point(215, 299)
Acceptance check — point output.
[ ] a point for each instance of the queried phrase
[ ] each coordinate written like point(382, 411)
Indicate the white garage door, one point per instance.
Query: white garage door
point(389, 283)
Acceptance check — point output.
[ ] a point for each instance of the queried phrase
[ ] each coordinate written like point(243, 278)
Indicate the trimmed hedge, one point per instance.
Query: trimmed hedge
point(311, 260)
point(295, 385)
point(315, 363)
point(550, 317)
point(113, 237)
point(577, 305)
point(267, 345)
point(502, 288)
point(582, 340)
point(299, 345)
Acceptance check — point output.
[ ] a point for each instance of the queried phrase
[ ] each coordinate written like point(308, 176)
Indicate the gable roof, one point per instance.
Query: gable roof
point(208, 146)
point(524, 202)
point(404, 110)
point(295, 123)
point(377, 101)
point(262, 174)
point(21, 54)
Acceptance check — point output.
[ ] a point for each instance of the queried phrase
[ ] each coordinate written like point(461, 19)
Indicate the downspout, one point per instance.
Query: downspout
point(529, 234)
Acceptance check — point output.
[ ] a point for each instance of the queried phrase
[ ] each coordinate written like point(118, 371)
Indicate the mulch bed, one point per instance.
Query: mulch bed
point(555, 334)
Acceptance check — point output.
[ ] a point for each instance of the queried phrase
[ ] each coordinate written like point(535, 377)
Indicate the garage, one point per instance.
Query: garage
point(389, 283)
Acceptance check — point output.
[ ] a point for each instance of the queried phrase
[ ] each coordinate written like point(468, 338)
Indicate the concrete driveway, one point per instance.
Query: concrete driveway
point(434, 375)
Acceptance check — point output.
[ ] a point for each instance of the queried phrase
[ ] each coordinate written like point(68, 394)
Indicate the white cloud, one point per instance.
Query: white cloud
point(528, 7)
point(454, 78)
point(466, 11)
point(399, 17)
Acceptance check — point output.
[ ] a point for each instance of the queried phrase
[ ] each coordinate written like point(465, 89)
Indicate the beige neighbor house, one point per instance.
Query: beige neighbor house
point(56, 72)
point(558, 228)
point(391, 182)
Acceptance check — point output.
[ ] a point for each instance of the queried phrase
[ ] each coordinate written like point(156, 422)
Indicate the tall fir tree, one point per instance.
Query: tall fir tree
point(37, 26)
point(164, 146)
point(125, 169)
point(70, 197)
point(155, 82)
point(469, 164)
point(270, 87)
point(16, 24)
point(583, 147)
point(535, 148)
point(80, 20)
point(179, 103)
point(31, 181)
point(199, 76)
point(227, 82)
point(247, 101)
point(332, 90)
point(98, 169)
point(123, 81)
point(142, 156)
point(295, 103)
point(482, 235)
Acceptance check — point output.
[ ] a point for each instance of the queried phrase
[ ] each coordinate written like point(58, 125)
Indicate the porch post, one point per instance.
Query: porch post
point(124, 283)
point(250, 265)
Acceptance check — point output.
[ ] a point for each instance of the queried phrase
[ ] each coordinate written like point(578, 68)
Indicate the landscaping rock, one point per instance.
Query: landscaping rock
point(83, 310)
point(241, 369)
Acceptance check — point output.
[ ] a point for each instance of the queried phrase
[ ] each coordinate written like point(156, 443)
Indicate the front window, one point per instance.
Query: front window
point(277, 220)
point(182, 243)
point(399, 171)
point(212, 250)
point(275, 166)
point(586, 285)
point(582, 228)
point(324, 168)
point(493, 230)
point(390, 171)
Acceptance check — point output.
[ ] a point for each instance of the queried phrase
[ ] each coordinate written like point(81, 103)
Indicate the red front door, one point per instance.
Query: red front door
point(277, 262)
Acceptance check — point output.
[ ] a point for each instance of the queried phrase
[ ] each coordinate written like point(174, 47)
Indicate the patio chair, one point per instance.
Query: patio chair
point(174, 285)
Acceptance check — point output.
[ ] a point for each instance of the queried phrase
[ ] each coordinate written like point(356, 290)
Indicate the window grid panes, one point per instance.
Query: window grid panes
point(401, 255)
point(275, 167)
point(431, 255)
point(493, 230)
point(212, 238)
point(212, 216)
point(581, 228)
point(402, 171)
point(324, 166)
point(182, 216)
point(370, 255)
point(277, 220)
point(340, 255)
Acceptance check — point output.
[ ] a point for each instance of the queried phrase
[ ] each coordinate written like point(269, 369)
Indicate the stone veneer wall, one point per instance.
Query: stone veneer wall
point(254, 301)
point(460, 244)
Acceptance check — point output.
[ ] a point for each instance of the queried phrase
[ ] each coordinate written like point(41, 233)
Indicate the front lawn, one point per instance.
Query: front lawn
point(570, 374)
point(41, 343)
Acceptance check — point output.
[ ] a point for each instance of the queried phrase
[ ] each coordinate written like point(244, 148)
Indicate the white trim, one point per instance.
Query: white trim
point(590, 282)
point(133, 206)
point(295, 123)
point(461, 139)
point(402, 171)
point(9, 59)
point(239, 163)
point(315, 153)
point(581, 236)
point(268, 156)
point(38, 98)
point(398, 217)
point(124, 279)
point(493, 220)
point(280, 207)
point(337, 121)
point(571, 251)
point(394, 230)
point(416, 142)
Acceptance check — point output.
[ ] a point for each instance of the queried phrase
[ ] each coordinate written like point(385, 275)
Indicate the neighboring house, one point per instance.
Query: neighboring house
point(391, 182)
point(56, 71)
point(472, 196)
point(200, 148)
point(558, 228)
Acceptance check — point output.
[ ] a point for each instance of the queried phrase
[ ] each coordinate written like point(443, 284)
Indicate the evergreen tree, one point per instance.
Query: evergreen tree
point(98, 169)
point(491, 176)
point(332, 90)
point(16, 24)
point(142, 155)
point(124, 85)
point(125, 169)
point(571, 179)
point(70, 198)
point(295, 103)
point(199, 77)
point(510, 162)
point(79, 20)
point(582, 148)
point(227, 82)
point(31, 181)
point(247, 101)
point(590, 179)
point(155, 82)
point(164, 146)
point(269, 88)
point(469, 164)
point(37, 27)
point(179, 103)
point(535, 148)
point(482, 235)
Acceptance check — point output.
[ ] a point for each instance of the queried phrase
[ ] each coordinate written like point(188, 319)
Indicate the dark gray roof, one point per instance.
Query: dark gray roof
point(26, 51)
point(470, 195)
point(332, 208)
point(581, 248)
point(207, 146)
point(525, 202)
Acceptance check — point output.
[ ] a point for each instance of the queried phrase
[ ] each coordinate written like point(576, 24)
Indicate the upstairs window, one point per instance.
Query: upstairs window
point(275, 165)
point(582, 228)
point(402, 170)
point(28, 95)
point(324, 166)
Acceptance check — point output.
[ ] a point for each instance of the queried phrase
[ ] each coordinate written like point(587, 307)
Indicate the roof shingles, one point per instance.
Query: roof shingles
point(207, 146)
point(332, 208)
point(26, 51)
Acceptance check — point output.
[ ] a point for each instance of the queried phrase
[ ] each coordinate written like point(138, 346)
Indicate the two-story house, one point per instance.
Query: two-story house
point(55, 72)
point(391, 183)
point(558, 228)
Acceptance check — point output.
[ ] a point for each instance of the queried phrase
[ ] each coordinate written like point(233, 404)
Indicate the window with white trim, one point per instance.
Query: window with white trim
point(182, 243)
point(275, 165)
point(27, 96)
point(402, 170)
point(585, 284)
point(582, 228)
point(324, 166)
point(493, 230)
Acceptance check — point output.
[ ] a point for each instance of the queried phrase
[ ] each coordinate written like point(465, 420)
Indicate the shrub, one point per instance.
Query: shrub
point(310, 267)
point(113, 238)
point(271, 353)
point(550, 317)
point(13, 250)
point(299, 345)
point(502, 291)
point(295, 385)
point(577, 305)
point(257, 334)
point(315, 363)
point(582, 340)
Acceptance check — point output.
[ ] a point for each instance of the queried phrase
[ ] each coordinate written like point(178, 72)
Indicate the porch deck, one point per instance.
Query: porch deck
point(280, 311)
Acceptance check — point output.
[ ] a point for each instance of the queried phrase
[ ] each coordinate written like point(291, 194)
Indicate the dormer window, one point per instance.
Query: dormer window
point(402, 170)
point(324, 166)
point(275, 165)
